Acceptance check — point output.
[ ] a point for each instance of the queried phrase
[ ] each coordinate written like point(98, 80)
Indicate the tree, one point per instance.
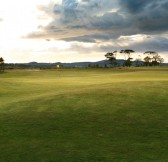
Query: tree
point(153, 58)
point(147, 60)
point(1, 64)
point(127, 54)
point(161, 60)
point(128, 62)
point(111, 56)
point(157, 59)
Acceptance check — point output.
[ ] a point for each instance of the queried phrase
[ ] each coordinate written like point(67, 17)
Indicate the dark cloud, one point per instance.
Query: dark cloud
point(140, 16)
point(159, 44)
point(93, 38)
point(109, 21)
point(86, 38)
point(148, 16)
point(155, 43)
point(103, 20)
point(134, 6)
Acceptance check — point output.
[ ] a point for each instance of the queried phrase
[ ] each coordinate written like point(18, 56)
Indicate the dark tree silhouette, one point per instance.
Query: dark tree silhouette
point(152, 58)
point(147, 61)
point(1, 64)
point(127, 54)
point(111, 56)
point(128, 62)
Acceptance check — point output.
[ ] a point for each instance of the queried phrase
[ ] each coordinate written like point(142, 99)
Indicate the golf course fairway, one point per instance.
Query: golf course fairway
point(84, 115)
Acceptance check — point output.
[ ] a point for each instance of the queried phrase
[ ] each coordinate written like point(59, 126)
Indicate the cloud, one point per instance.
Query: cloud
point(148, 16)
point(120, 16)
point(75, 18)
point(100, 21)
point(155, 43)
point(133, 6)
point(142, 43)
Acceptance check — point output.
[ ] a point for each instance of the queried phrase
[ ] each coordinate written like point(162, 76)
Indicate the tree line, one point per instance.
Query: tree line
point(151, 58)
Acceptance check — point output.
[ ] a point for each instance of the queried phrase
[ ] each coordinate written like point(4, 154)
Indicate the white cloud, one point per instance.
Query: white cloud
point(31, 30)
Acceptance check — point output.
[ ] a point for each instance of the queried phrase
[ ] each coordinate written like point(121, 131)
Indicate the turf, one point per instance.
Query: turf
point(81, 115)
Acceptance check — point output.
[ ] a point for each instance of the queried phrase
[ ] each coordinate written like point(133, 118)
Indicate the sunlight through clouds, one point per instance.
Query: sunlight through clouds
point(87, 28)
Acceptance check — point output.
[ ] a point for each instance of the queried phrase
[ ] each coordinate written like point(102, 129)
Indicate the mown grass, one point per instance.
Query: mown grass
point(84, 115)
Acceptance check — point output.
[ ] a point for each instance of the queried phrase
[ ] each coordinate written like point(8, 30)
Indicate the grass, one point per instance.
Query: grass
point(84, 115)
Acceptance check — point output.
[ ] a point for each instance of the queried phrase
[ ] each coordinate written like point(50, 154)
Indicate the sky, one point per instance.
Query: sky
point(81, 30)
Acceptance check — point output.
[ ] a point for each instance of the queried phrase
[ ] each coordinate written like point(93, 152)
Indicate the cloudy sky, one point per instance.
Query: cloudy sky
point(81, 30)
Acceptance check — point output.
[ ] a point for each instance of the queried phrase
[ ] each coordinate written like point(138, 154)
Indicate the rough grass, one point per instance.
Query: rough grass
point(84, 115)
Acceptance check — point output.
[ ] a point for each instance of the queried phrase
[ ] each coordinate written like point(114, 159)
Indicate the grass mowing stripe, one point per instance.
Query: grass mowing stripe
point(107, 121)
